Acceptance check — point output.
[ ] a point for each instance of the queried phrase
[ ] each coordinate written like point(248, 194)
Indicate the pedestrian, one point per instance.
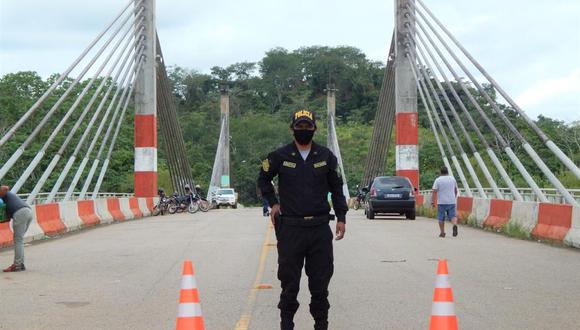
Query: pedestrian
point(306, 172)
point(265, 206)
point(445, 193)
point(21, 215)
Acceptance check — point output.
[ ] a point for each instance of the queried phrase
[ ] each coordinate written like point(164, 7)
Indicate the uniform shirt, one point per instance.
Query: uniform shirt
point(303, 185)
point(13, 204)
point(445, 186)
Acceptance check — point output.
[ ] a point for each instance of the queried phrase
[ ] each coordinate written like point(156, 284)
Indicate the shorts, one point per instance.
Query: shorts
point(445, 209)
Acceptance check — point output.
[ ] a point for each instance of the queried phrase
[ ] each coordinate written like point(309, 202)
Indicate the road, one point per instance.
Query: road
point(127, 276)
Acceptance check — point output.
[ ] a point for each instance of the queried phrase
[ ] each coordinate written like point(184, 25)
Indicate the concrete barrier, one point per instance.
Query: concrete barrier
point(126, 208)
point(144, 207)
point(5, 234)
point(103, 211)
point(554, 221)
point(34, 231)
point(464, 208)
point(114, 207)
point(525, 215)
point(70, 215)
point(419, 200)
point(427, 198)
point(500, 212)
point(134, 207)
point(480, 210)
point(49, 219)
point(573, 236)
point(87, 213)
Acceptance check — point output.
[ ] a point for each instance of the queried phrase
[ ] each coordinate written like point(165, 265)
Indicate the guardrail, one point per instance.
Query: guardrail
point(527, 194)
point(59, 196)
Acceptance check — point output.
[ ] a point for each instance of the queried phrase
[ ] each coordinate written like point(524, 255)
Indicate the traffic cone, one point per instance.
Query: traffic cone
point(443, 311)
point(189, 315)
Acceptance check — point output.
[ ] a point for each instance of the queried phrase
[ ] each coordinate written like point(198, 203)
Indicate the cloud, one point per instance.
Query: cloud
point(523, 44)
point(550, 88)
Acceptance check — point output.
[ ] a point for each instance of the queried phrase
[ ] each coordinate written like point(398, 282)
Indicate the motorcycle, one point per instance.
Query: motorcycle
point(163, 205)
point(180, 204)
point(360, 198)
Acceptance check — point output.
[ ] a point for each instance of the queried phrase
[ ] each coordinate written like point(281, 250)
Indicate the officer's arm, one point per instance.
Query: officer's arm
point(335, 183)
point(268, 171)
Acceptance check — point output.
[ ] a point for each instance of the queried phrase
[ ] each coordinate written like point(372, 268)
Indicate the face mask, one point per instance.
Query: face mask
point(303, 136)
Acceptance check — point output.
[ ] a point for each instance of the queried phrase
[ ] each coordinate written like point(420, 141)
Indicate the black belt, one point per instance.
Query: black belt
point(306, 221)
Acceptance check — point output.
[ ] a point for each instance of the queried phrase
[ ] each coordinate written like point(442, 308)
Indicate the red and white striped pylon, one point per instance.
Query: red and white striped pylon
point(189, 315)
point(406, 149)
point(443, 312)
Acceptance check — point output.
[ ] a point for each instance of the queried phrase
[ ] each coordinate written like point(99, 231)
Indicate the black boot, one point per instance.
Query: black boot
point(287, 321)
point(321, 324)
point(286, 325)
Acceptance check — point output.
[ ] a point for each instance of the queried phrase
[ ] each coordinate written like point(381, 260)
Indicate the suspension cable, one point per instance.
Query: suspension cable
point(113, 140)
point(80, 119)
point(527, 147)
point(16, 155)
point(62, 76)
point(545, 139)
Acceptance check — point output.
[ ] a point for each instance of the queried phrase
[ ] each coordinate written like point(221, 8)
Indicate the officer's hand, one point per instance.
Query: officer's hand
point(274, 212)
point(340, 230)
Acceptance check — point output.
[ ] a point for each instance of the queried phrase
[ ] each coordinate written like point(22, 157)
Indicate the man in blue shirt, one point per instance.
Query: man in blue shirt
point(21, 215)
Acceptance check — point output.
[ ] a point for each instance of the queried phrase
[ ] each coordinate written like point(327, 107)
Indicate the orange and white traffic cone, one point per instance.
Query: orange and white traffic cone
point(443, 312)
point(189, 315)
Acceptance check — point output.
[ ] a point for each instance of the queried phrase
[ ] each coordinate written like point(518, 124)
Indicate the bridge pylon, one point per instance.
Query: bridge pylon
point(146, 110)
point(407, 122)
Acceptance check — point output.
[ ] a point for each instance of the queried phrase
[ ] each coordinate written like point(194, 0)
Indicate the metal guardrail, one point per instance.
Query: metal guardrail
point(527, 194)
point(59, 197)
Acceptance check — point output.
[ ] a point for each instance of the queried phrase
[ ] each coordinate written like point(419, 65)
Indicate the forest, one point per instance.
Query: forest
point(263, 95)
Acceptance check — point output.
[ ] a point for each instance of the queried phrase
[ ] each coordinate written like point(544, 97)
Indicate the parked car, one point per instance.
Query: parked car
point(226, 197)
point(391, 195)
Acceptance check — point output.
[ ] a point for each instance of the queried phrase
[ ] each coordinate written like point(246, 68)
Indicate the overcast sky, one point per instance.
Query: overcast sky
point(532, 48)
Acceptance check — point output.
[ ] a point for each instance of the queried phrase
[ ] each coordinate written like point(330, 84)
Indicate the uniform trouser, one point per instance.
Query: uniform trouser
point(21, 220)
point(310, 247)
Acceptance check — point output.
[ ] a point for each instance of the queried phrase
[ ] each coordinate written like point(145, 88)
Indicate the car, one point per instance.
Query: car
point(226, 197)
point(391, 195)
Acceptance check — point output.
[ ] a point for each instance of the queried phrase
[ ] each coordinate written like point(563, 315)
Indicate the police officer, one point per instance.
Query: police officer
point(306, 173)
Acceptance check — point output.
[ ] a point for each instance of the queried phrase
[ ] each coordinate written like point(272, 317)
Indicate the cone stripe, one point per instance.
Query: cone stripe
point(189, 310)
point(442, 268)
point(443, 322)
point(442, 281)
point(188, 296)
point(443, 295)
point(443, 309)
point(188, 282)
point(190, 323)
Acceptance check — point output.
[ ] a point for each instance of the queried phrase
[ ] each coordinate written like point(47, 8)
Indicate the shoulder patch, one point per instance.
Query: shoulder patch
point(320, 164)
point(266, 165)
point(289, 164)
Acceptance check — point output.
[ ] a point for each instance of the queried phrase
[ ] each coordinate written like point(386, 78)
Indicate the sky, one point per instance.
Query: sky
point(531, 48)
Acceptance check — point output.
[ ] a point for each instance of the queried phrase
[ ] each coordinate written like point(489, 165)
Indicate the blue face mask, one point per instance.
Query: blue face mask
point(303, 136)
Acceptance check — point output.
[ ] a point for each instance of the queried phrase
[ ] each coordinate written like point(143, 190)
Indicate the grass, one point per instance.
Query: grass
point(516, 230)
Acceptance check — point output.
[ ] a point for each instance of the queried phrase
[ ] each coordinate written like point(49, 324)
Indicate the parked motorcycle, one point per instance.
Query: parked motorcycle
point(180, 204)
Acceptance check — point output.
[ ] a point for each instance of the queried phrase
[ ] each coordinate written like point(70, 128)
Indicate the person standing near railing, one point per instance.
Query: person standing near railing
point(445, 193)
point(21, 215)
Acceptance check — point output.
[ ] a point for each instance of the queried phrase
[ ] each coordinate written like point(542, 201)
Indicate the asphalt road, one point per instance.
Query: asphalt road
point(127, 276)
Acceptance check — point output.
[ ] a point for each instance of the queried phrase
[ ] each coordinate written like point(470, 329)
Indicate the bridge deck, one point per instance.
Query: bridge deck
point(127, 276)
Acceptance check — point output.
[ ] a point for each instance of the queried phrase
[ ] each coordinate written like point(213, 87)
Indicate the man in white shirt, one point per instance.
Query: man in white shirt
point(445, 193)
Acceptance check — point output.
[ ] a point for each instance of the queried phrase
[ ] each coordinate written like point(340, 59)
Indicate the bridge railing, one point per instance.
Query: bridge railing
point(60, 196)
point(527, 194)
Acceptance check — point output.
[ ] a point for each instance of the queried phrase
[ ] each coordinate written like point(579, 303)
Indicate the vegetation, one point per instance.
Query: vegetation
point(263, 95)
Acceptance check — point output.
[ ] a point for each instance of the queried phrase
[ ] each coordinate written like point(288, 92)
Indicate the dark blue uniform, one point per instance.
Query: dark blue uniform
point(304, 236)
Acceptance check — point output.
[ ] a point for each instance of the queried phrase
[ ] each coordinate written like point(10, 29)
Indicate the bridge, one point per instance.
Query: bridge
point(90, 267)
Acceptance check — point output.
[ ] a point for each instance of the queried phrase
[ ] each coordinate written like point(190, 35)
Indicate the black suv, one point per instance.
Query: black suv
point(391, 194)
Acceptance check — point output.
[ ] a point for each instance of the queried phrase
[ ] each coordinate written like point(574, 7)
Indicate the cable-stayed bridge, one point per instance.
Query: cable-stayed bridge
point(120, 77)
